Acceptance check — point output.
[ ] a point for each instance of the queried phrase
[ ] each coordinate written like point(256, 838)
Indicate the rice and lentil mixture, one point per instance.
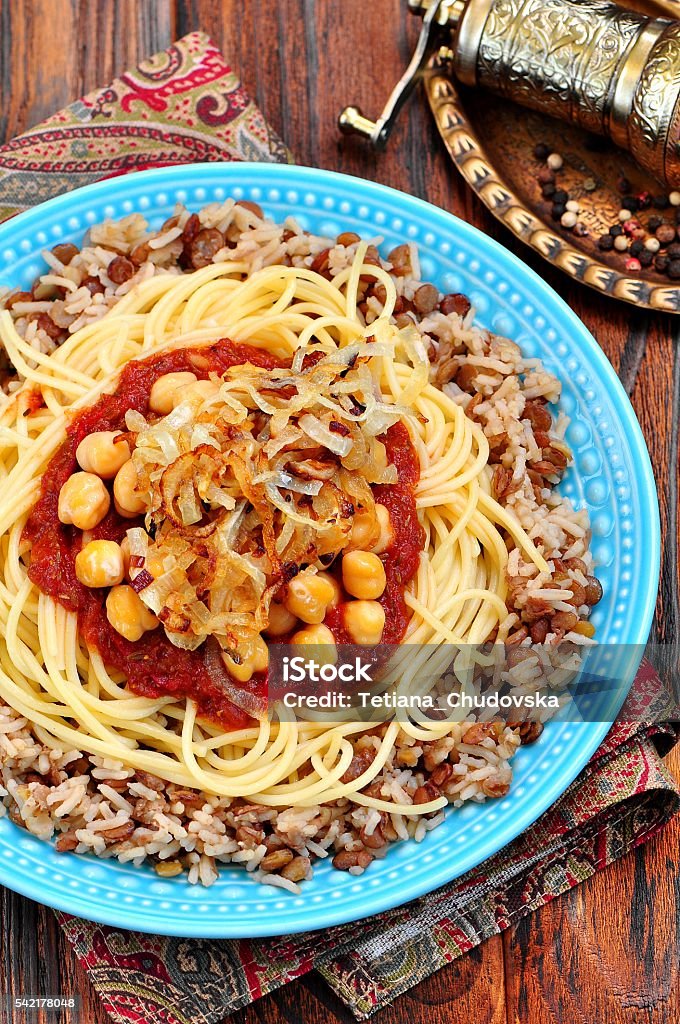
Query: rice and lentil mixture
point(90, 804)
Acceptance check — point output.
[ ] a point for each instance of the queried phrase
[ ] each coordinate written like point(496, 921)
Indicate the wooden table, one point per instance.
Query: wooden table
point(608, 951)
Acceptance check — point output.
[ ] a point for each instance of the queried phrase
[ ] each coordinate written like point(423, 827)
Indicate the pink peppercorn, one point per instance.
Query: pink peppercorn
point(633, 264)
point(630, 226)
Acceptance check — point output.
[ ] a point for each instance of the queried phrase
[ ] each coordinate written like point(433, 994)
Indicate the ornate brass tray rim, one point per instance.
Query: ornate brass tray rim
point(469, 156)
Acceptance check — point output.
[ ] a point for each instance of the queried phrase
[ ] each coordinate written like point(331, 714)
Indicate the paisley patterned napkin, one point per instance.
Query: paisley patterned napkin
point(186, 105)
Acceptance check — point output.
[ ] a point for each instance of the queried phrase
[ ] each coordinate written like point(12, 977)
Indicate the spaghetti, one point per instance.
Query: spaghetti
point(65, 688)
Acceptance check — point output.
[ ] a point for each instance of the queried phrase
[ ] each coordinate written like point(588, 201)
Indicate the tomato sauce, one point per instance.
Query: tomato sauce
point(153, 666)
point(402, 557)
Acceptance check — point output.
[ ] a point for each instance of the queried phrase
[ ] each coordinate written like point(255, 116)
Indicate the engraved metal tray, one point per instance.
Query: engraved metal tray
point(491, 142)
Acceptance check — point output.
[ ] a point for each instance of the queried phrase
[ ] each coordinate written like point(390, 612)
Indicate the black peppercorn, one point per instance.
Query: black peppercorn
point(630, 203)
point(653, 223)
point(548, 191)
point(545, 175)
point(615, 230)
point(561, 196)
point(623, 185)
point(605, 243)
point(541, 151)
point(660, 202)
point(674, 269)
point(661, 264)
point(665, 233)
point(673, 251)
point(646, 258)
point(636, 247)
point(558, 210)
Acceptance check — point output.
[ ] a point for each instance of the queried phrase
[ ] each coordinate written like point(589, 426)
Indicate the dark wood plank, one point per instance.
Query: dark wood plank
point(52, 52)
point(607, 950)
point(587, 956)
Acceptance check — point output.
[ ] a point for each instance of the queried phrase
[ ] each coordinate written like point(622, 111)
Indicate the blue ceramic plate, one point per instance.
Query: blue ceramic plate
point(611, 475)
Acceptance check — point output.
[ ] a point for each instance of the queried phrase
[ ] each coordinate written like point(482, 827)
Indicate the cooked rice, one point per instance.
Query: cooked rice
point(90, 804)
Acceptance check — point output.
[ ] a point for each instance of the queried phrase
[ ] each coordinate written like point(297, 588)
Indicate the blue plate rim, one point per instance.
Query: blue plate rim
point(592, 733)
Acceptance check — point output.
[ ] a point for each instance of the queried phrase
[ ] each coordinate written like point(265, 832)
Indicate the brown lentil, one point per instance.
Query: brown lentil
point(15, 297)
point(426, 298)
point(564, 621)
point(539, 631)
point(347, 238)
point(346, 859)
point(454, 302)
point(400, 258)
point(276, 860)
point(93, 284)
point(296, 870)
point(169, 868)
point(495, 788)
point(255, 208)
point(321, 263)
point(578, 594)
point(205, 246)
point(65, 252)
point(120, 833)
point(120, 269)
point(465, 376)
point(66, 842)
point(47, 324)
point(428, 791)
point(528, 731)
point(374, 841)
point(593, 590)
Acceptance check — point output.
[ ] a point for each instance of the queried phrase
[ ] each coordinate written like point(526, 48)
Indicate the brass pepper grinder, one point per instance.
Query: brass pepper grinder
point(592, 63)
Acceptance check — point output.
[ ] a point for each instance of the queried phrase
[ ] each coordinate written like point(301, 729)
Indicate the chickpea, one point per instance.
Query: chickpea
point(83, 501)
point(281, 621)
point(364, 526)
point(166, 393)
point(365, 622)
point(100, 564)
point(103, 453)
point(363, 574)
point(363, 531)
point(128, 614)
point(127, 500)
point(253, 656)
point(337, 589)
point(318, 636)
point(309, 596)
